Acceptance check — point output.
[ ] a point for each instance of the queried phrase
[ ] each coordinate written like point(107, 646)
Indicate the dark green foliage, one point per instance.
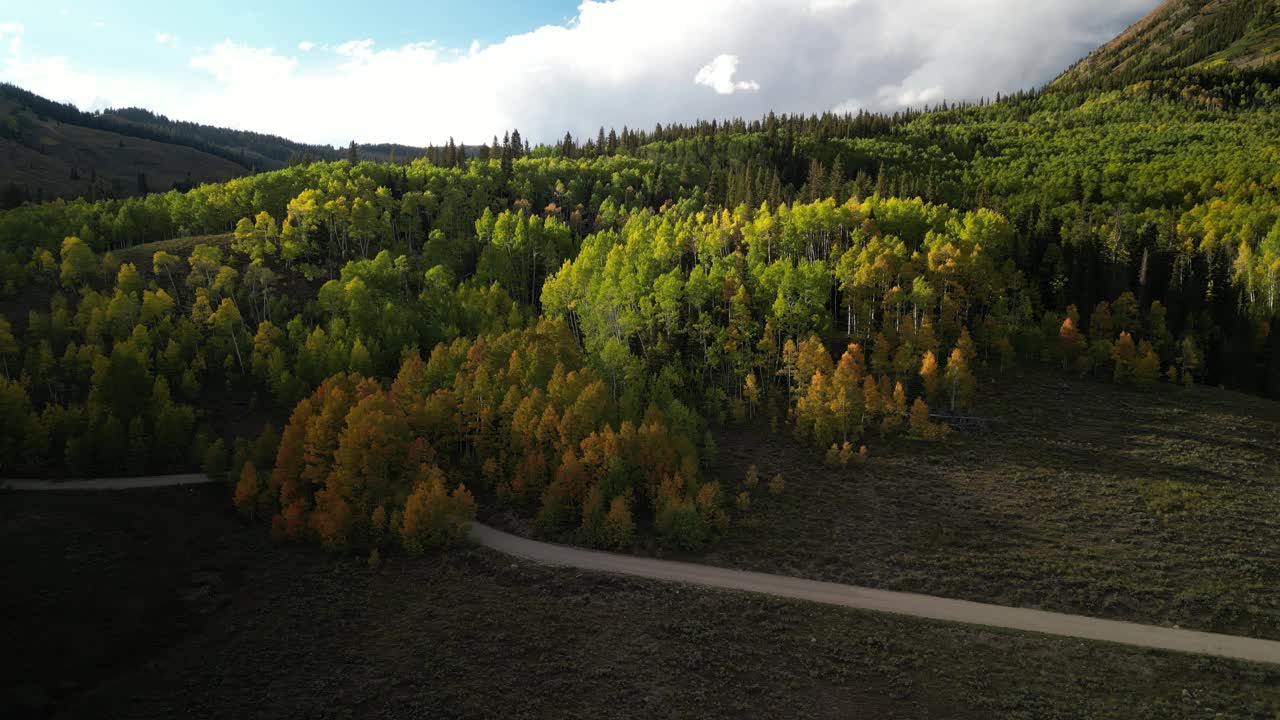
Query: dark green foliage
point(215, 462)
point(681, 527)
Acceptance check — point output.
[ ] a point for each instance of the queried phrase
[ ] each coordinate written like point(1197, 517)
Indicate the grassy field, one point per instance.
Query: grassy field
point(1160, 506)
point(160, 604)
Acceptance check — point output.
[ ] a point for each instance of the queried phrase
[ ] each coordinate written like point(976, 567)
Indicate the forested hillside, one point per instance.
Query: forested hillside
point(52, 150)
point(43, 158)
point(552, 332)
point(1182, 35)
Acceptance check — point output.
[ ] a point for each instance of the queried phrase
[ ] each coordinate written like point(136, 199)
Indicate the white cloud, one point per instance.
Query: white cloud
point(823, 5)
point(166, 40)
point(306, 46)
point(358, 49)
point(624, 62)
point(242, 67)
point(97, 24)
point(11, 35)
point(718, 75)
point(890, 95)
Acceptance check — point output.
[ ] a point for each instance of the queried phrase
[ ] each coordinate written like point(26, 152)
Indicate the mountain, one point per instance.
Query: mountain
point(1181, 36)
point(257, 150)
point(44, 156)
point(54, 150)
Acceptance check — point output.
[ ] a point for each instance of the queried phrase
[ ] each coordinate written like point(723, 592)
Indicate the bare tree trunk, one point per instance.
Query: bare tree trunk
point(236, 344)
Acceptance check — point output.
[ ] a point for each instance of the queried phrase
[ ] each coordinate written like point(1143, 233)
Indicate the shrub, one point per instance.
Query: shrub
point(833, 456)
point(680, 526)
point(1168, 496)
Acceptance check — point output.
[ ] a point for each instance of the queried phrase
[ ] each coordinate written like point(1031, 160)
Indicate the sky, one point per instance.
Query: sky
point(423, 72)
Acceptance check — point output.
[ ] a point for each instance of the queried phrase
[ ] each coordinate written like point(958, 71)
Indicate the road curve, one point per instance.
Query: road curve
point(923, 606)
point(851, 596)
point(132, 483)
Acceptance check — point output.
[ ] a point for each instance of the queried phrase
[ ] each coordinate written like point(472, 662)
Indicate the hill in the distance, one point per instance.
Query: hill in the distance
point(42, 158)
point(1182, 35)
point(53, 150)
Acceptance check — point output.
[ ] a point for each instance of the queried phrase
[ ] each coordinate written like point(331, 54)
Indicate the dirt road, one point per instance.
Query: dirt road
point(132, 483)
point(923, 606)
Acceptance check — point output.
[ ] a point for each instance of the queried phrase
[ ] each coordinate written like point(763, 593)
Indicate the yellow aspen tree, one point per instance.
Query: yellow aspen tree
point(247, 490)
point(1070, 342)
point(960, 382)
point(1125, 355)
point(1146, 369)
point(920, 418)
point(967, 346)
point(618, 528)
point(751, 393)
point(929, 375)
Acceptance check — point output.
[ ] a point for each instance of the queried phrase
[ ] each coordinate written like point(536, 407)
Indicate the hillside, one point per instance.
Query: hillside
point(1182, 35)
point(44, 158)
point(1022, 353)
point(50, 150)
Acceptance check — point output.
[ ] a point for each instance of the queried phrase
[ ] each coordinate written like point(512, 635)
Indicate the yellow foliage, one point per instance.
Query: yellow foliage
point(618, 528)
point(247, 491)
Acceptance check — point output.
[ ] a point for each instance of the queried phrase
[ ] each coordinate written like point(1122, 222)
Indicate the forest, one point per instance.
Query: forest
point(552, 332)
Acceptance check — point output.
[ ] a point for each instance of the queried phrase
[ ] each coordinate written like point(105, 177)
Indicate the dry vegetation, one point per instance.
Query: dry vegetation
point(1159, 506)
point(161, 604)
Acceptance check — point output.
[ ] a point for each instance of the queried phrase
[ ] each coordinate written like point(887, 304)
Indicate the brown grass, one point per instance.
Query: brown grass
point(1160, 507)
point(162, 604)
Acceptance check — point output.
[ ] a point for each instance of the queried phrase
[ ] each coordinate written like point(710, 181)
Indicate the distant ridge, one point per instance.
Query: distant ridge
point(1182, 36)
point(54, 150)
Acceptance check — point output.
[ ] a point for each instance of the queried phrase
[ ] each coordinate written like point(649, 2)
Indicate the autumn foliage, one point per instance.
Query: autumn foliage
point(516, 418)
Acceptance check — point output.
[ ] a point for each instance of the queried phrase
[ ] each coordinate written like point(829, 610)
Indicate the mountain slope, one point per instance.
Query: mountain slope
point(1182, 35)
point(50, 150)
point(44, 158)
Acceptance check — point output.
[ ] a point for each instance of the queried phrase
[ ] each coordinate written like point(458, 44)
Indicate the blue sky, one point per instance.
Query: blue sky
point(120, 36)
point(422, 72)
